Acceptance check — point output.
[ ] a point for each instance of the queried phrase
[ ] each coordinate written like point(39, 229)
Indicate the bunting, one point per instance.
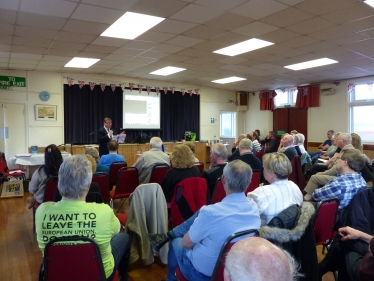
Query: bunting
point(197, 91)
point(336, 83)
point(305, 91)
point(81, 83)
point(190, 92)
point(261, 95)
point(149, 88)
point(370, 86)
point(183, 91)
point(113, 87)
point(123, 87)
point(140, 87)
point(102, 86)
point(157, 90)
point(172, 89)
point(131, 86)
point(70, 81)
point(351, 88)
point(166, 90)
point(92, 85)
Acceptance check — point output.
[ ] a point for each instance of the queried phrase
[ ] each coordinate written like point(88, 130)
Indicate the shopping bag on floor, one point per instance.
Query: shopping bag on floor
point(12, 188)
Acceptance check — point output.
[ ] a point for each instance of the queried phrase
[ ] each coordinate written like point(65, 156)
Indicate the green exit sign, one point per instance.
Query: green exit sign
point(280, 132)
point(11, 81)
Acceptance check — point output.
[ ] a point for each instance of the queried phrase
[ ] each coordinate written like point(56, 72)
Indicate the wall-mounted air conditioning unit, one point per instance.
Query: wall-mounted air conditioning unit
point(242, 98)
point(327, 91)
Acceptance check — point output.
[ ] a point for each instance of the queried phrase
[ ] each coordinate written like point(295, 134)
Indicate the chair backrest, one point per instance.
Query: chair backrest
point(218, 193)
point(324, 220)
point(113, 172)
point(189, 196)
point(158, 173)
point(200, 166)
point(297, 175)
point(260, 153)
point(255, 181)
point(219, 267)
point(102, 180)
point(3, 164)
point(50, 189)
point(127, 182)
point(72, 262)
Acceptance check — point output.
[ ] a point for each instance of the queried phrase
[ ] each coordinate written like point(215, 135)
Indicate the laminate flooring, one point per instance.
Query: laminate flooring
point(20, 256)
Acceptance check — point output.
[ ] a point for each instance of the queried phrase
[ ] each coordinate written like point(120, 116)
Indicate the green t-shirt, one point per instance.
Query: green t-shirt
point(68, 218)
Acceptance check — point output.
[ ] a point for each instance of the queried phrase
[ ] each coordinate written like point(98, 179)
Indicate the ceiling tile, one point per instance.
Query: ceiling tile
point(279, 35)
point(22, 66)
point(25, 41)
point(6, 39)
point(318, 7)
point(347, 39)
point(155, 36)
point(177, 58)
point(17, 61)
point(196, 14)
point(154, 55)
point(286, 17)
point(140, 45)
point(85, 27)
point(100, 49)
point(166, 48)
point(255, 29)
point(42, 21)
point(91, 55)
point(5, 48)
point(257, 9)
point(350, 13)
point(57, 8)
point(96, 14)
point(128, 51)
point(75, 37)
point(113, 4)
point(141, 61)
point(35, 32)
point(191, 52)
point(173, 26)
point(291, 2)
point(330, 32)
point(29, 50)
point(56, 58)
point(68, 46)
point(118, 57)
point(203, 32)
point(360, 24)
point(159, 8)
point(61, 52)
point(310, 25)
point(25, 56)
point(299, 41)
point(8, 16)
point(232, 60)
point(208, 46)
point(108, 41)
point(10, 5)
point(228, 21)
point(7, 29)
point(220, 4)
point(184, 41)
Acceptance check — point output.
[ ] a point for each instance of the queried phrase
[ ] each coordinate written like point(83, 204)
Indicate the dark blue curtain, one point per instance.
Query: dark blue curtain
point(84, 111)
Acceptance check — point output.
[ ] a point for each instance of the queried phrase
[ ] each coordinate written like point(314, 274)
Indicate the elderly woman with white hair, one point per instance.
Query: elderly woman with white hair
point(281, 193)
point(73, 215)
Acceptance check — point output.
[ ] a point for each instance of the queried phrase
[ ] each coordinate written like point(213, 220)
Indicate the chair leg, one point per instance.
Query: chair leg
point(123, 201)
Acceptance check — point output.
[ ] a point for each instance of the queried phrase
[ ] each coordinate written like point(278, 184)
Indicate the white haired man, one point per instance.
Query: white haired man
point(147, 160)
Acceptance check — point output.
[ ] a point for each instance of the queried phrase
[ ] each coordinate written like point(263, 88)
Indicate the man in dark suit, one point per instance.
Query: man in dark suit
point(104, 135)
point(272, 143)
point(288, 147)
point(246, 155)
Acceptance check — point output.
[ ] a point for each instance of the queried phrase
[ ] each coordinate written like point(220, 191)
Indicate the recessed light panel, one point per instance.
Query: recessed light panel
point(310, 64)
point(228, 80)
point(131, 25)
point(167, 70)
point(243, 47)
point(370, 2)
point(81, 62)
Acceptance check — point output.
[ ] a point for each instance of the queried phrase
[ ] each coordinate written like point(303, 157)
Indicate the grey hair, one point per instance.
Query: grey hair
point(92, 151)
point(347, 138)
point(301, 138)
point(278, 163)
point(355, 159)
point(245, 144)
point(220, 150)
point(242, 136)
point(156, 142)
point(74, 176)
point(238, 175)
point(296, 139)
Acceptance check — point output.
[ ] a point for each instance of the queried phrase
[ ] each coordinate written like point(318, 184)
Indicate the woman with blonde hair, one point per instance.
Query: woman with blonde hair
point(183, 168)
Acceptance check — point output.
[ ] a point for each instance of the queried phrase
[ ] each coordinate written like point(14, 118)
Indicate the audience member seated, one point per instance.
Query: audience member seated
point(347, 182)
point(301, 142)
point(94, 190)
point(38, 183)
point(323, 146)
point(192, 146)
point(113, 156)
point(350, 253)
point(183, 168)
point(218, 156)
point(95, 154)
point(196, 243)
point(294, 132)
point(255, 258)
point(281, 193)
point(296, 141)
point(320, 179)
point(235, 149)
point(256, 146)
point(288, 147)
point(272, 143)
point(76, 216)
point(150, 158)
point(246, 155)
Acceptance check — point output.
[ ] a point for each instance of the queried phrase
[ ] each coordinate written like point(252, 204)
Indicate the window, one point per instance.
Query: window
point(285, 97)
point(228, 124)
point(361, 108)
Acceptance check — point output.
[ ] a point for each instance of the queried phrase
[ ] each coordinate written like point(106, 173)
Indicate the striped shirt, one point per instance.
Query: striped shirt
point(256, 146)
point(343, 187)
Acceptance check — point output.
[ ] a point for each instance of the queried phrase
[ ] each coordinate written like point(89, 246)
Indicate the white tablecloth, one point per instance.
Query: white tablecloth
point(33, 159)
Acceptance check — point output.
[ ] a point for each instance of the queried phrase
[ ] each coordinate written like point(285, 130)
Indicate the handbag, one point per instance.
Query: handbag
point(12, 188)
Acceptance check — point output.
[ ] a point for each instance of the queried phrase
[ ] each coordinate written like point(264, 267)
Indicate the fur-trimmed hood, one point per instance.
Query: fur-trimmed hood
point(281, 235)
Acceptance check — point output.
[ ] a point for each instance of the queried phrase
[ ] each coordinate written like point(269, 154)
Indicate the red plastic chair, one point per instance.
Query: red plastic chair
point(260, 153)
point(102, 180)
point(324, 221)
point(158, 173)
point(255, 181)
point(218, 193)
point(217, 274)
point(73, 262)
point(127, 181)
point(200, 166)
point(5, 172)
point(113, 172)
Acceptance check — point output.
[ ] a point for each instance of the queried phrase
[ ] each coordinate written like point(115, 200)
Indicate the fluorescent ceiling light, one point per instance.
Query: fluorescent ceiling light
point(81, 62)
point(243, 47)
point(370, 2)
point(131, 25)
point(167, 70)
point(228, 80)
point(311, 63)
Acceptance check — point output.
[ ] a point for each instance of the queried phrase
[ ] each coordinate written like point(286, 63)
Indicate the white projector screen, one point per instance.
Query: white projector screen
point(140, 110)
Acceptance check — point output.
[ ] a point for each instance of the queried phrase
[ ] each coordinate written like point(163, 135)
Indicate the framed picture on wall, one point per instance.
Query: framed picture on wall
point(45, 112)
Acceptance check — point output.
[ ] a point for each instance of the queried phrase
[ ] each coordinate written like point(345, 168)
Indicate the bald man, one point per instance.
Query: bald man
point(255, 258)
point(288, 147)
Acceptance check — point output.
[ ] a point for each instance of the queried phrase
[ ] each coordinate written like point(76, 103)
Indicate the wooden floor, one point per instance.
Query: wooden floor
point(20, 256)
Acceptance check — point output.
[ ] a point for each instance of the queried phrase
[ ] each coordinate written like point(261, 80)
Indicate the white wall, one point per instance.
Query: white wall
point(256, 118)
